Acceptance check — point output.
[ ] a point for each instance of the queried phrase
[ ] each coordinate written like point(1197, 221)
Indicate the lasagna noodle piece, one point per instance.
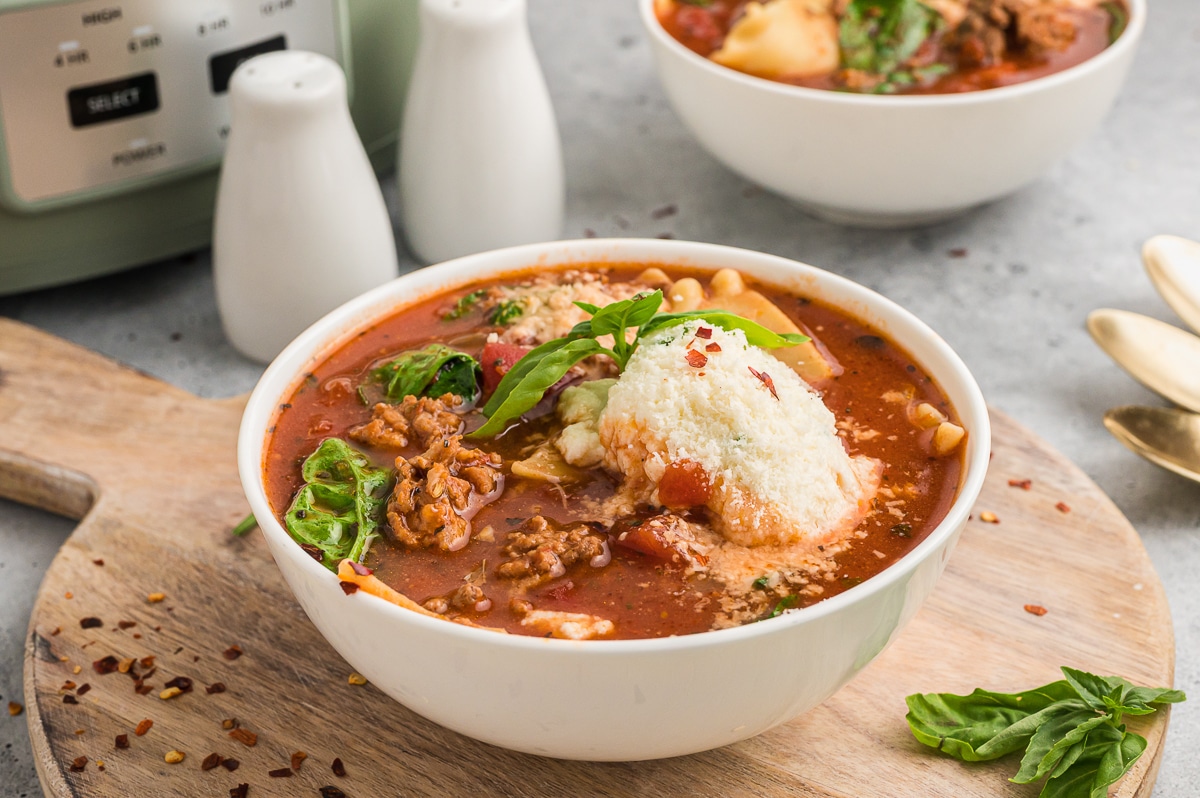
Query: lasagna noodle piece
point(783, 38)
point(779, 473)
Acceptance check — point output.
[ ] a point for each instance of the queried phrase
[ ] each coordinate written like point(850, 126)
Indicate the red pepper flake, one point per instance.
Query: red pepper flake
point(233, 652)
point(239, 791)
point(143, 689)
point(79, 764)
point(98, 561)
point(280, 773)
point(214, 688)
point(230, 764)
point(56, 632)
point(83, 688)
point(69, 699)
point(90, 623)
point(137, 635)
point(143, 727)
point(348, 587)
point(695, 359)
point(146, 662)
point(1063, 507)
point(765, 379)
point(182, 682)
point(1023, 484)
point(126, 624)
point(122, 741)
point(68, 685)
point(1036, 609)
point(338, 768)
point(211, 761)
point(957, 252)
point(361, 569)
point(106, 665)
point(313, 551)
point(704, 332)
point(245, 737)
point(713, 347)
point(229, 723)
point(331, 792)
point(298, 758)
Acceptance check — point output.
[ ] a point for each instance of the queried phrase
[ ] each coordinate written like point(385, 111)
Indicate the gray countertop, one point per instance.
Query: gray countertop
point(1013, 307)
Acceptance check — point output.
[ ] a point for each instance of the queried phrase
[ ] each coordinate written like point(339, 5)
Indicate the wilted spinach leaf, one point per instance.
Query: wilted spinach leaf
point(339, 507)
point(433, 371)
point(879, 36)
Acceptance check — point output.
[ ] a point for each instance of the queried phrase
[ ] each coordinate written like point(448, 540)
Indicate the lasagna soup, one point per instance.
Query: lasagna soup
point(624, 451)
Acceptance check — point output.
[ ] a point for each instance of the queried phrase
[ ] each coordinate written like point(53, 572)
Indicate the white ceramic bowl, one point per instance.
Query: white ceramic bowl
point(623, 699)
point(889, 161)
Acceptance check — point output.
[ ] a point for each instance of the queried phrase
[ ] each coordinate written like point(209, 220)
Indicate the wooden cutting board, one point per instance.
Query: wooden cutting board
point(150, 470)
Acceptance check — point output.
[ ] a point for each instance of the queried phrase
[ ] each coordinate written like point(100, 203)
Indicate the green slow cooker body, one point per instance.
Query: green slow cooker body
point(106, 235)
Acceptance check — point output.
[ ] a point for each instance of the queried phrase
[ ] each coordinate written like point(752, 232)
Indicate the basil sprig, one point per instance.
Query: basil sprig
point(1071, 729)
point(338, 508)
point(880, 36)
point(530, 377)
point(433, 371)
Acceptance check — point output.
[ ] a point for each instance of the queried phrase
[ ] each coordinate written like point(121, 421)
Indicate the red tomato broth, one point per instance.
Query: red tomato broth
point(642, 595)
point(703, 30)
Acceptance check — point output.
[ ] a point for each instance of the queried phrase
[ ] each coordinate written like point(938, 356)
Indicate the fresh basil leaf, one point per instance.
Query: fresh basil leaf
point(785, 603)
point(1119, 696)
point(464, 305)
point(1103, 759)
point(879, 36)
point(506, 312)
point(756, 334)
point(614, 319)
point(986, 725)
point(519, 370)
point(1051, 741)
point(1090, 687)
point(589, 307)
point(338, 508)
point(433, 371)
point(533, 383)
point(1151, 698)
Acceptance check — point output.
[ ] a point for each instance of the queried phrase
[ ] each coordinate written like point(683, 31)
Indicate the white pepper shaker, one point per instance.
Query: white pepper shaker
point(480, 157)
point(301, 225)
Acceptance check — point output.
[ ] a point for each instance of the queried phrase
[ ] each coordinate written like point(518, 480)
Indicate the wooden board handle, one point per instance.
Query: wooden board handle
point(71, 420)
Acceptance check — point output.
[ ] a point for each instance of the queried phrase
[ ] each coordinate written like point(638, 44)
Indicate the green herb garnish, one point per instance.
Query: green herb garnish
point(433, 371)
point(244, 526)
point(1071, 729)
point(524, 385)
point(338, 508)
point(1120, 20)
point(785, 603)
point(464, 305)
point(879, 36)
point(506, 312)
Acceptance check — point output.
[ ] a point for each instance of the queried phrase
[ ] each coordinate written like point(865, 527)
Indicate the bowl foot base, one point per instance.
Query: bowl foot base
point(880, 221)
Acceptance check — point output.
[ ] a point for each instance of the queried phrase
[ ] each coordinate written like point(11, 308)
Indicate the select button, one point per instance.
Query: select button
point(117, 99)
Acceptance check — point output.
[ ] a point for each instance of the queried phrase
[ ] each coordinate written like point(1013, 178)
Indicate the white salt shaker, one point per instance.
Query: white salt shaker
point(480, 157)
point(301, 225)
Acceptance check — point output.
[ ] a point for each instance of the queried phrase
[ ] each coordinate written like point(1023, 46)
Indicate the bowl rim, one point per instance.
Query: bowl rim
point(1126, 41)
point(330, 332)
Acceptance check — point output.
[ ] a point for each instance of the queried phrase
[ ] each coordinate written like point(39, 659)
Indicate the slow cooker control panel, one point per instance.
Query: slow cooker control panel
point(98, 96)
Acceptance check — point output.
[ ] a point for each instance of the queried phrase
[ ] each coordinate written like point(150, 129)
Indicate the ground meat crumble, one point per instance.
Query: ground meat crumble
point(541, 550)
point(395, 426)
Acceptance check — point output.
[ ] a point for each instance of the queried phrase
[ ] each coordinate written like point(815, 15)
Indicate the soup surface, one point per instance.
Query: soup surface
point(895, 46)
point(709, 472)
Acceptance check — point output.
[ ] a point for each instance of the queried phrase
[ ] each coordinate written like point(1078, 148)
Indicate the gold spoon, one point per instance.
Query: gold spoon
point(1164, 358)
point(1165, 436)
point(1173, 264)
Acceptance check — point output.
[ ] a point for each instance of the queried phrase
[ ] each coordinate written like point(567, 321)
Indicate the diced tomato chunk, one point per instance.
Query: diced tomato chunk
point(496, 360)
point(685, 483)
point(643, 538)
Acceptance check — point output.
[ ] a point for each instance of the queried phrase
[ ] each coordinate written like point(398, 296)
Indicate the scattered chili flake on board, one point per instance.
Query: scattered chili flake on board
point(239, 791)
point(280, 773)
point(80, 732)
point(126, 624)
point(83, 688)
point(235, 651)
point(170, 693)
point(1036, 609)
point(211, 761)
point(229, 723)
point(230, 764)
point(98, 561)
point(15, 709)
point(331, 792)
point(696, 360)
point(338, 768)
point(989, 517)
point(68, 595)
point(356, 679)
point(143, 689)
point(245, 737)
point(79, 764)
point(122, 741)
point(215, 687)
point(1023, 484)
point(348, 587)
point(154, 598)
point(1063, 507)
point(182, 683)
point(174, 757)
point(56, 632)
point(125, 665)
point(106, 665)
point(297, 759)
point(70, 699)
point(77, 669)
point(146, 662)
point(90, 622)
point(143, 727)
